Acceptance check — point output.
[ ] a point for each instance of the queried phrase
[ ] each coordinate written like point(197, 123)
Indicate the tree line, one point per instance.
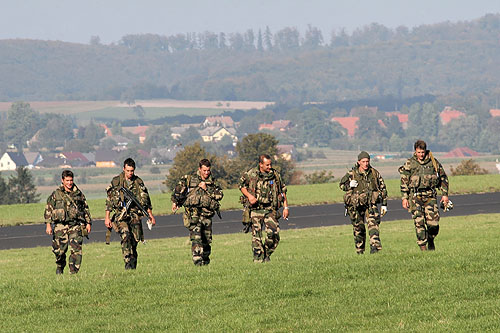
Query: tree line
point(286, 66)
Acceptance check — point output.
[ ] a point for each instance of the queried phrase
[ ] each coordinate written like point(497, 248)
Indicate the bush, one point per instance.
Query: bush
point(468, 168)
point(320, 177)
point(155, 170)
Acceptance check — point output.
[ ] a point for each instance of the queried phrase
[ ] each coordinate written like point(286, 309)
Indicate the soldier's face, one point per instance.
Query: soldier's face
point(420, 153)
point(68, 183)
point(265, 165)
point(129, 171)
point(364, 163)
point(204, 172)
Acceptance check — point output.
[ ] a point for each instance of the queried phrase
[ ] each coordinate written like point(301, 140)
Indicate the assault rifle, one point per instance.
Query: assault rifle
point(129, 199)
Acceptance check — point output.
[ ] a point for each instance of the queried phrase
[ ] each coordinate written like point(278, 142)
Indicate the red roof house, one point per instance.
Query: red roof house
point(495, 112)
point(349, 123)
point(462, 152)
point(448, 114)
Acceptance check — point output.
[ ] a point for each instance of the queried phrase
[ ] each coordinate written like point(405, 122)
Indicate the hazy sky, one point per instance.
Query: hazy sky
point(78, 20)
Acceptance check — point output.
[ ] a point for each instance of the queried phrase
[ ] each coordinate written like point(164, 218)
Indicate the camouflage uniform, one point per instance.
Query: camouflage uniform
point(361, 204)
point(419, 181)
point(127, 223)
point(70, 213)
point(199, 207)
point(268, 189)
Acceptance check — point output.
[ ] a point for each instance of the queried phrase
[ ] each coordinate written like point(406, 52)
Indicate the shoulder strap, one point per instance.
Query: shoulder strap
point(434, 163)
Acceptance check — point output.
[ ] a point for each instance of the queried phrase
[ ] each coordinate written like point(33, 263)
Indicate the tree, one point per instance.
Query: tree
point(139, 111)
point(22, 123)
point(189, 136)
point(186, 162)
point(22, 187)
point(252, 146)
point(57, 132)
point(159, 137)
point(5, 197)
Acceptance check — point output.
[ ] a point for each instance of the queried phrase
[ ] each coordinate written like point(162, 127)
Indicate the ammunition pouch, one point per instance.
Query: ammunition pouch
point(58, 215)
point(186, 220)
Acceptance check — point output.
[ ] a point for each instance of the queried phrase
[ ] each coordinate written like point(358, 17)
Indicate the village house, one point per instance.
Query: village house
point(12, 160)
point(222, 121)
point(402, 117)
point(106, 158)
point(215, 133)
point(33, 159)
point(349, 123)
point(448, 114)
point(137, 130)
point(287, 152)
point(276, 125)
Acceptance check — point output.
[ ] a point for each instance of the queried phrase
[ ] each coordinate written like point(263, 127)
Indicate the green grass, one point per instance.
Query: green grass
point(315, 282)
point(297, 195)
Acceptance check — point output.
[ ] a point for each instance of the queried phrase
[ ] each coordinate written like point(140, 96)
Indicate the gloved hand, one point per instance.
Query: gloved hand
point(383, 210)
point(353, 183)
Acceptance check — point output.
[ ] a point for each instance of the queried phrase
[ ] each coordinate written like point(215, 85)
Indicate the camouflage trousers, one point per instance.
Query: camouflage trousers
point(131, 233)
point(63, 235)
point(263, 248)
point(371, 216)
point(200, 234)
point(425, 214)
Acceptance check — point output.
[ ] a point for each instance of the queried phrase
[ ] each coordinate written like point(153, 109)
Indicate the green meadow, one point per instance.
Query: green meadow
point(314, 283)
point(297, 195)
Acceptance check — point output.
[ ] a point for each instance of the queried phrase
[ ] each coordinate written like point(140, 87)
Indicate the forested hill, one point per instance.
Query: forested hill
point(373, 61)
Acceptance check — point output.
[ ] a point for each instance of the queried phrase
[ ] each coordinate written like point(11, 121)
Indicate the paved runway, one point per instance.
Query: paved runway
point(300, 217)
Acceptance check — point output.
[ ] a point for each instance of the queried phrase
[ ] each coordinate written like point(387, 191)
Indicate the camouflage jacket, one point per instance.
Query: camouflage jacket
point(67, 207)
point(371, 187)
point(267, 188)
point(187, 193)
point(422, 176)
point(115, 200)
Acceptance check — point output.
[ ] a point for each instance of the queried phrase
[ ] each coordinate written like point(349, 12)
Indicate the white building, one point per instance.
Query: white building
point(11, 160)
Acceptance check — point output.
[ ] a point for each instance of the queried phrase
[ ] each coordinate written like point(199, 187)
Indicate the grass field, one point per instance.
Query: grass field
point(297, 195)
point(315, 283)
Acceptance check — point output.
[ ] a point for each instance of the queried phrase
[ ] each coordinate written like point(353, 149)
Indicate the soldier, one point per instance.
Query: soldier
point(200, 196)
point(365, 189)
point(68, 210)
point(127, 222)
point(420, 176)
point(265, 193)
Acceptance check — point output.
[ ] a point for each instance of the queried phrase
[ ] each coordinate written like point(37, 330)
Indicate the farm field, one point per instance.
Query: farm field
point(314, 282)
point(83, 111)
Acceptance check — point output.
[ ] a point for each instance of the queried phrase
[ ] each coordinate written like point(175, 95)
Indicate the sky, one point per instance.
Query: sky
point(78, 20)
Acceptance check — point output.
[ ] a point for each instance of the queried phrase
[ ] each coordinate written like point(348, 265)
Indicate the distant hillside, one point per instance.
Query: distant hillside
point(374, 61)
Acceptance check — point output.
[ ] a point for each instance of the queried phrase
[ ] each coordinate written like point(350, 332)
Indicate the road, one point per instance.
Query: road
point(26, 236)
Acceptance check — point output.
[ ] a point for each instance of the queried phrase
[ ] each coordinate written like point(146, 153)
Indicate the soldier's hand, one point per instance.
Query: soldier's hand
point(445, 200)
point(353, 183)
point(152, 219)
point(252, 199)
point(174, 207)
point(107, 223)
point(406, 204)
point(88, 227)
point(48, 229)
point(383, 210)
point(286, 213)
point(203, 185)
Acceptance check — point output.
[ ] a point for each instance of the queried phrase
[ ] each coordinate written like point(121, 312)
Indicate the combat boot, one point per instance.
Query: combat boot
point(267, 259)
point(430, 244)
point(59, 270)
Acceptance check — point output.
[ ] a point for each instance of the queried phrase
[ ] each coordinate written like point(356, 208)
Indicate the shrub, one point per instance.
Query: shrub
point(320, 177)
point(467, 168)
